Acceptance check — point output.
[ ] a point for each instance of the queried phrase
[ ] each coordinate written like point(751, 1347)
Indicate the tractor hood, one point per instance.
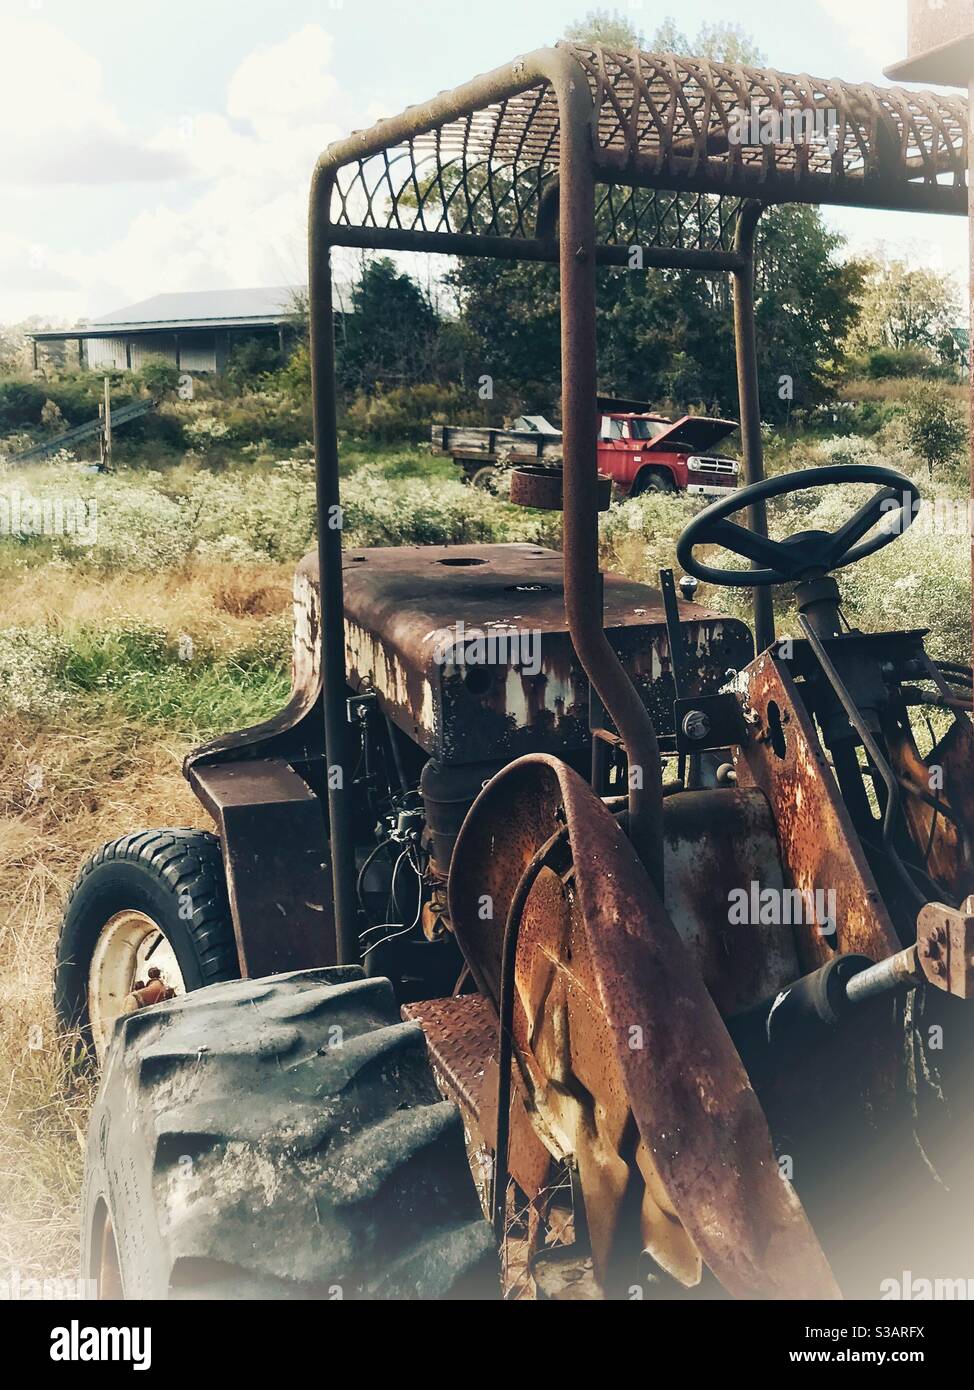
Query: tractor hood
point(693, 434)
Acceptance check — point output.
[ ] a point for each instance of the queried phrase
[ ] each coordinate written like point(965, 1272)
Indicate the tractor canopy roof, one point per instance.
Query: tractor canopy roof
point(676, 144)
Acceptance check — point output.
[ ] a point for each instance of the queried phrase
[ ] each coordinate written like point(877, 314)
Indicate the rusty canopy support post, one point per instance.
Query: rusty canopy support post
point(580, 432)
point(745, 342)
point(941, 44)
point(329, 518)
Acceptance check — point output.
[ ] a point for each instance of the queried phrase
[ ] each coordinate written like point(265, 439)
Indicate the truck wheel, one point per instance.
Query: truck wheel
point(154, 899)
point(280, 1139)
point(652, 482)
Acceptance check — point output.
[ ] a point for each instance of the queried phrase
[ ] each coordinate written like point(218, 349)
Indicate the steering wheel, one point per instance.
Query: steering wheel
point(807, 554)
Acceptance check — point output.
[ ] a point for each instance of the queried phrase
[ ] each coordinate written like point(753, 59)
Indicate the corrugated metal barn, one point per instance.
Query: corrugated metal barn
point(195, 330)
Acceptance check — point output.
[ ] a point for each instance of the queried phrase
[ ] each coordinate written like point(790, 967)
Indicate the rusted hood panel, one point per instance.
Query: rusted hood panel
point(402, 609)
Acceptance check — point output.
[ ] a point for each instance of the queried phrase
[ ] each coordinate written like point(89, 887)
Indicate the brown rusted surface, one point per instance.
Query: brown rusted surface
point(716, 845)
point(820, 850)
point(275, 855)
point(540, 485)
point(153, 992)
point(945, 947)
point(513, 165)
point(403, 606)
point(626, 1060)
point(461, 1034)
point(942, 832)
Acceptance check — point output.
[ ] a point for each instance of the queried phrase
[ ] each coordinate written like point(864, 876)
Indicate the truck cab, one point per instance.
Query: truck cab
point(642, 451)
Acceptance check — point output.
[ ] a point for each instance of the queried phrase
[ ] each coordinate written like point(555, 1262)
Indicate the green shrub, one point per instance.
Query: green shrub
point(159, 377)
point(408, 412)
point(906, 361)
point(21, 403)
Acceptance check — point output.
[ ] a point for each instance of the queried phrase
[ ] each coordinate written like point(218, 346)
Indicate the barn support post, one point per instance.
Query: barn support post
point(745, 340)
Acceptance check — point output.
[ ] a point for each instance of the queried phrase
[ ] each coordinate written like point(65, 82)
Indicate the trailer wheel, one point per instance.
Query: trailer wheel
point(486, 478)
point(280, 1139)
point(153, 899)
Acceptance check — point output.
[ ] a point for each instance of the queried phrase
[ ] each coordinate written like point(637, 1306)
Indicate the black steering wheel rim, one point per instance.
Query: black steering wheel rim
point(808, 552)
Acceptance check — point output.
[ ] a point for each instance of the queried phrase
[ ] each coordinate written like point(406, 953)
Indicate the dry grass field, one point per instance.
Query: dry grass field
point(72, 776)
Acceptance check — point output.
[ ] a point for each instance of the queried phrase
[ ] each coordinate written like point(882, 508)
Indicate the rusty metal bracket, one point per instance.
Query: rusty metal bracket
point(945, 947)
point(708, 721)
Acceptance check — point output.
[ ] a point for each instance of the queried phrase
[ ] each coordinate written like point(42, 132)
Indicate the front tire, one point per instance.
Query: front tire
point(280, 1139)
point(652, 481)
point(157, 898)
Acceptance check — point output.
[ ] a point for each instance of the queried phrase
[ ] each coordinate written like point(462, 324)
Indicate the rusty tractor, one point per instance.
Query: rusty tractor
point(561, 936)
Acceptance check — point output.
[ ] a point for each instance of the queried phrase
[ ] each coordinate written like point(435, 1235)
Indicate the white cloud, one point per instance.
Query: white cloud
point(285, 86)
point(866, 24)
point(58, 127)
point(238, 214)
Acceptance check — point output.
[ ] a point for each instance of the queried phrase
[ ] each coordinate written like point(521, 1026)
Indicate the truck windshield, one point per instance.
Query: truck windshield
point(647, 429)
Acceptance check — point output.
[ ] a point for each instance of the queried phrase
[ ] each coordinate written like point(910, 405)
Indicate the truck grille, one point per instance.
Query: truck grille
point(698, 464)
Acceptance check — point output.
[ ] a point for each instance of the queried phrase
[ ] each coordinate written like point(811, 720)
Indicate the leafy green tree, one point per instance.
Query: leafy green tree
point(391, 335)
point(806, 301)
point(605, 26)
point(935, 429)
point(905, 307)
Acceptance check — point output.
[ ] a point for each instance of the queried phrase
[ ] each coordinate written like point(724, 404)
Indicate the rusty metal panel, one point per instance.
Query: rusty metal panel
point(402, 608)
point(717, 843)
point(275, 852)
point(819, 847)
point(628, 1065)
point(461, 1035)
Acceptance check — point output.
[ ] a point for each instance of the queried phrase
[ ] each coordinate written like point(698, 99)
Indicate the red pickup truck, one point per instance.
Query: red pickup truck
point(645, 452)
point(638, 449)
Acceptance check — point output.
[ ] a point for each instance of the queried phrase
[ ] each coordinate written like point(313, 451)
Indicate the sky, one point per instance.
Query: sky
point(146, 148)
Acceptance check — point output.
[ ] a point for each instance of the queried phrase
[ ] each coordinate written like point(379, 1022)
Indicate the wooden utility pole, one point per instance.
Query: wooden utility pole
point(105, 438)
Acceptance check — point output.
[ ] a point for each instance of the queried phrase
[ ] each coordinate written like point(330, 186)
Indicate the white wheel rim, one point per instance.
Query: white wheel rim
point(128, 944)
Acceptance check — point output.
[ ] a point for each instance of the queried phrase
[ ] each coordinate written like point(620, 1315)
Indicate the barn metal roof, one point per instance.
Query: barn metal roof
point(185, 309)
point(193, 306)
point(483, 160)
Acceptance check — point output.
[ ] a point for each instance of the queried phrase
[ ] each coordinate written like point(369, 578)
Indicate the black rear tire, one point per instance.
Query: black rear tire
point(280, 1139)
point(176, 878)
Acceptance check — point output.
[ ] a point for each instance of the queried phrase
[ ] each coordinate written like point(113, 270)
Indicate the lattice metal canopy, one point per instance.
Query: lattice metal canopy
point(482, 162)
